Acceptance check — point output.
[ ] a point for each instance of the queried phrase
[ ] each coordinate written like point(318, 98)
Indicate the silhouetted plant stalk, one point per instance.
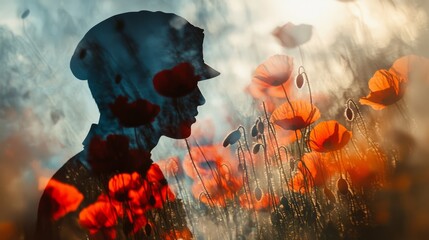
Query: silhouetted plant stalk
point(209, 198)
point(360, 123)
point(237, 139)
point(246, 144)
point(215, 174)
point(248, 192)
point(186, 201)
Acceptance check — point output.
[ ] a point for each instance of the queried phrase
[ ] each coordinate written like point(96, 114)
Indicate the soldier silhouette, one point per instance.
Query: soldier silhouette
point(142, 69)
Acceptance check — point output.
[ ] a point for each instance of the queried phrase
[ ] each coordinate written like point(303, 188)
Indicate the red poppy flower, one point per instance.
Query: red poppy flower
point(386, 89)
point(134, 114)
point(182, 234)
point(121, 184)
point(291, 35)
point(329, 136)
point(263, 204)
point(134, 219)
point(296, 115)
point(153, 193)
point(114, 154)
point(61, 199)
point(275, 71)
point(176, 82)
point(100, 218)
point(316, 172)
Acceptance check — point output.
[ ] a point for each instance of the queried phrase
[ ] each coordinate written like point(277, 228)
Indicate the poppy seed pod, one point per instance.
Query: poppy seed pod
point(349, 114)
point(258, 193)
point(260, 127)
point(254, 131)
point(343, 186)
point(329, 195)
point(299, 81)
point(285, 203)
point(232, 138)
point(256, 148)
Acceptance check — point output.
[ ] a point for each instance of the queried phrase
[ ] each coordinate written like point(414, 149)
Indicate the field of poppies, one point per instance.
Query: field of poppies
point(291, 172)
point(298, 175)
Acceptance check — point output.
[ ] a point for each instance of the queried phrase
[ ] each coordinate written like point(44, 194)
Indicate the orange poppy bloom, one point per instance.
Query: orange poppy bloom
point(170, 166)
point(410, 66)
point(386, 89)
point(220, 189)
point(296, 115)
point(183, 234)
point(275, 71)
point(259, 89)
point(63, 197)
point(363, 171)
point(263, 204)
point(316, 172)
point(329, 136)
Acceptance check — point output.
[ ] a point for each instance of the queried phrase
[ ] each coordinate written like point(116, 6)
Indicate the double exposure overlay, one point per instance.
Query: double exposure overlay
point(314, 124)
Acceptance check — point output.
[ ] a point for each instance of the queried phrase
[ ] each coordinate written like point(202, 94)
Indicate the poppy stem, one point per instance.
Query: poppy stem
point(199, 175)
point(250, 154)
point(248, 194)
point(360, 122)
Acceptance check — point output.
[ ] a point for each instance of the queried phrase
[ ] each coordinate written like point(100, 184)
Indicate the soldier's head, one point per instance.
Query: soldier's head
point(143, 69)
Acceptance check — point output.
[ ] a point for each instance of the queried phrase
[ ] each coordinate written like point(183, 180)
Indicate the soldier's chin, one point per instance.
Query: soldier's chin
point(183, 131)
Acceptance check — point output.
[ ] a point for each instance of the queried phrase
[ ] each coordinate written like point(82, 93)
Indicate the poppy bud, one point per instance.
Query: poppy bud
point(285, 203)
point(260, 127)
point(276, 218)
point(256, 148)
point(25, 14)
point(329, 195)
point(349, 114)
point(258, 193)
point(232, 138)
point(254, 131)
point(343, 186)
point(299, 81)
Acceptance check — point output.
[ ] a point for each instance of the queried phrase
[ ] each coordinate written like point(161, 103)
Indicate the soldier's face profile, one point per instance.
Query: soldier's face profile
point(177, 115)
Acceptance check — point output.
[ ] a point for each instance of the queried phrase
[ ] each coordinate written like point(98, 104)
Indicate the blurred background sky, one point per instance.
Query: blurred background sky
point(45, 113)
